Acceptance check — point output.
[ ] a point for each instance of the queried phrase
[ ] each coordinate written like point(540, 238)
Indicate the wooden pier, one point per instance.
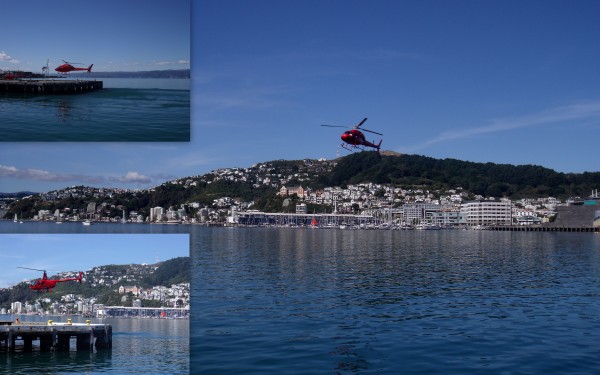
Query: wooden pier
point(53, 336)
point(49, 87)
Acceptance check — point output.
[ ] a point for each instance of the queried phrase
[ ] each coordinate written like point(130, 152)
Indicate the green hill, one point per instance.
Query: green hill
point(404, 171)
point(166, 273)
point(487, 179)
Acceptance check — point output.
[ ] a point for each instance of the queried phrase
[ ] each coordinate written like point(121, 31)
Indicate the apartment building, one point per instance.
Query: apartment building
point(487, 212)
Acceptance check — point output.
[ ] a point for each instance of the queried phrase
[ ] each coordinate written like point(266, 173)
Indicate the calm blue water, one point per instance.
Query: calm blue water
point(126, 110)
point(412, 302)
point(297, 301)
point(140, 346)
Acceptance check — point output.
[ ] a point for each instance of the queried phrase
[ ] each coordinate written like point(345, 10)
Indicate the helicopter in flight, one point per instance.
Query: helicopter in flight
point(68, 67)
point(355, 137)
point(45, 284)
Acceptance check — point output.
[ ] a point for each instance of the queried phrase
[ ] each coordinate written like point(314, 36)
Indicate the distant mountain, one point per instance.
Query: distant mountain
point(19, 194)
point(180, 73)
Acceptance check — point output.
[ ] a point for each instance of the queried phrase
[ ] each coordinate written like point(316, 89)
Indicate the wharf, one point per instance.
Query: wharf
point(49, 87)
point(543, 228)
point(54, 336)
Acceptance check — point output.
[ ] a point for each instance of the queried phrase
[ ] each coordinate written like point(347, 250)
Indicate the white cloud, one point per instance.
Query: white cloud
point(5, 57)
point(578, 111)
point(166, 62)
point(47, 176)
point(135, 177)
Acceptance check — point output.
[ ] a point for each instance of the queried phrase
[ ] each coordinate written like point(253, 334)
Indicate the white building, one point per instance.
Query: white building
point(16, 307)
point(487, 212)
point(156, 214)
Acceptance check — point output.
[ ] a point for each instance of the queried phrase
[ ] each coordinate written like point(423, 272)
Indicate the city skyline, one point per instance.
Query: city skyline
point(507, 83)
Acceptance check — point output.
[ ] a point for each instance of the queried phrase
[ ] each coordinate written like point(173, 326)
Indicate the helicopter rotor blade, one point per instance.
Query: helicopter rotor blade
point(370, 131)
point(362, 122)
point(335, 126)
point(33, 269)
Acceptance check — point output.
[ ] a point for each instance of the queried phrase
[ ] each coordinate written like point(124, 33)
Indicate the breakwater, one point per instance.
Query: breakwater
point(50, 87)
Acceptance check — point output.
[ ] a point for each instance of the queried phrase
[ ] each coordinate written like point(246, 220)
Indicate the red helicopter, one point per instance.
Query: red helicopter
point(68, 67)
point(355, 138)
point(45, 285)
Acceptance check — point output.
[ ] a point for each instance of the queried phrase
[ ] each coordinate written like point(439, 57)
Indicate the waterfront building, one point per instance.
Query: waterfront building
point(16, 307)
point(487, 212)
point(156, 214)
point(446, 218)
point(528, 220)
point(301, 208)
point(417, 213)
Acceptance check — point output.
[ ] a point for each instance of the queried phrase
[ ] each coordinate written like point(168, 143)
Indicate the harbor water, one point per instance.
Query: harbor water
point(126, 110)
point(329, 301)
point(298, 301)
point(140, 346)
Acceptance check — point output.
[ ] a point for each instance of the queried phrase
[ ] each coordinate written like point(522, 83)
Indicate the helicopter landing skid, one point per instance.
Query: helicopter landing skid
point(353, 147)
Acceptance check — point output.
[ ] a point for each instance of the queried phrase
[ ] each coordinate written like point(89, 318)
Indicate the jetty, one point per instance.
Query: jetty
point(52, 336)
point(49, 87)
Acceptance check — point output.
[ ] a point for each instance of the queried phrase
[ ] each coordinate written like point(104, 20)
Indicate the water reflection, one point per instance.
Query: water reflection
point(58, 362)
point(382, 301)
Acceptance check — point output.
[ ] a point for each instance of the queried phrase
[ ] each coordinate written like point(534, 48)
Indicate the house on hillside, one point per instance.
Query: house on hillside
point(124, 289)
point(298, 190)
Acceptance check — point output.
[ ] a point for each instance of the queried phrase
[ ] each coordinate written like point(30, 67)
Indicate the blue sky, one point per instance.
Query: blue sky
point(114, 35)
point(485, 81)
point(81, 252)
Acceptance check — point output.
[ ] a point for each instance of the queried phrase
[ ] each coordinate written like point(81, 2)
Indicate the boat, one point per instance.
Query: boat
point(427, 226)
point(87, 223)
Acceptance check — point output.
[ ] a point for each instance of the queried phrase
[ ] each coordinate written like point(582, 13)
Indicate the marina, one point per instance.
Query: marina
point(569, 222)
point(50, 87)
point(53, 336)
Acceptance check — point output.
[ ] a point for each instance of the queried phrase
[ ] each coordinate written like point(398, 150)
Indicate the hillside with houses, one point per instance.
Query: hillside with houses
point(358, 183)
point(164, 284)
